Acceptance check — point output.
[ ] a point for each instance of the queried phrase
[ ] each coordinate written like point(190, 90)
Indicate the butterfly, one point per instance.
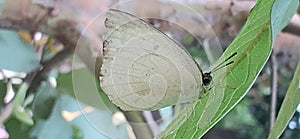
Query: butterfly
point(144, 69)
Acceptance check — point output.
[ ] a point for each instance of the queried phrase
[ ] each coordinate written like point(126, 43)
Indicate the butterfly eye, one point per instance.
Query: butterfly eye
point(206, 79)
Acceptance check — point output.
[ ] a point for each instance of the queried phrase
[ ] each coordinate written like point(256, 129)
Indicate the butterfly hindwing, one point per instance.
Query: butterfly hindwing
point(143, 69)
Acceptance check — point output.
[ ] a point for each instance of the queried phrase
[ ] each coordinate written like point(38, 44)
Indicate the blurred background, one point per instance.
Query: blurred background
point(63, 99)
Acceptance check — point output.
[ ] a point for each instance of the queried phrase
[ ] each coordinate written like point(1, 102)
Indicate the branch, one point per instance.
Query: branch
point(36, 77)
point(274, 79)
point(6, 112)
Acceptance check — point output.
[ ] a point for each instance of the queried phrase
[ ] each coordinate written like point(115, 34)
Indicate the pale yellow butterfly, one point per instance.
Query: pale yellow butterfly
point(144, 69)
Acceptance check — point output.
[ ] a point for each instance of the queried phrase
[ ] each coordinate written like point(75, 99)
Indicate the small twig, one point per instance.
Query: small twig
point(274, 77)
point(17, 25)
point(6, 112)
point(34, 78)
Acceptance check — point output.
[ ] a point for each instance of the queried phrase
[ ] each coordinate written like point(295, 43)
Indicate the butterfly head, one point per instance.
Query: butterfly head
point(206, 79)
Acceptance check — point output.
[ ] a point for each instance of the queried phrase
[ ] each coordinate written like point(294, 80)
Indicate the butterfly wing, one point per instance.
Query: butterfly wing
point(143, 69)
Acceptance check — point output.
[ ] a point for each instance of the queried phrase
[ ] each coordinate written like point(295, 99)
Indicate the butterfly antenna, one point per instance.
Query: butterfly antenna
point(207, 78)
point(221, 65)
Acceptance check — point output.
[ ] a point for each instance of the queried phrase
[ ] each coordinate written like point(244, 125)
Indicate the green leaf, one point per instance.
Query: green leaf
point(28, 100)
point(20, 96)
point(189, 39)
point(16, 129)
point(65, 84)
point(253, 46)
point(23, 116)
point(3, 90)
point(288, 107)
point(76, 133)
point(15, 54)
point(282, 12)
point(44, 101)
point(19, 111)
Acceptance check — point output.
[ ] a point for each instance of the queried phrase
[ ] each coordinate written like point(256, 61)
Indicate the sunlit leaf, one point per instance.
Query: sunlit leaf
point(288, 107)
point(253, 47)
